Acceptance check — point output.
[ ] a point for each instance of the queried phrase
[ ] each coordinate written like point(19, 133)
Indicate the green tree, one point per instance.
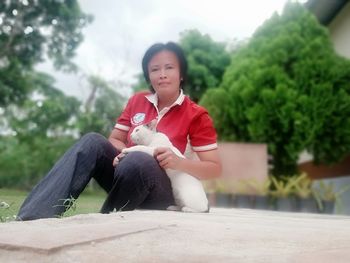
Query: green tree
point(102, 107)
point(37, 120)
point(207, 61)
point(37, 133)
point(29, 30)
point(289, 89)
point(24, 163)
point(48, 112)
point(141, 83)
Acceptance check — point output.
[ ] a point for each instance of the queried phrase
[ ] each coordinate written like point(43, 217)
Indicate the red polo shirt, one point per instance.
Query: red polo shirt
point(182, 122)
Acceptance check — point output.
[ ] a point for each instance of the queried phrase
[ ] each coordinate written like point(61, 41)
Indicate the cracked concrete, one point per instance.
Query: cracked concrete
point(223, 235)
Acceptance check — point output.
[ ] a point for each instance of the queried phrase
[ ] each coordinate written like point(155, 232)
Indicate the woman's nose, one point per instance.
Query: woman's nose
point(162, 73)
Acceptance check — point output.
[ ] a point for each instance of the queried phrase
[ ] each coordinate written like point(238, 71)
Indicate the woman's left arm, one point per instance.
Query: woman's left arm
point(207, 167)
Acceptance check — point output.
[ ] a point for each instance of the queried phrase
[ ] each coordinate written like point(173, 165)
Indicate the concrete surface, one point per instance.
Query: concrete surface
point(223, 235)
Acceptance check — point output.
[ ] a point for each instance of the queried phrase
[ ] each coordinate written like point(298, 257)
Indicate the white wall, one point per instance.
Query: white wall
point(340, 34)
point(340, 31)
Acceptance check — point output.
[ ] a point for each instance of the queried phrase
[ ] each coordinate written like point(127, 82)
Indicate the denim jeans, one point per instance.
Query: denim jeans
point(136, 182)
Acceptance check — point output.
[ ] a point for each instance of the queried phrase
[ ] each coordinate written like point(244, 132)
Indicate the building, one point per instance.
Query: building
point(335, 15)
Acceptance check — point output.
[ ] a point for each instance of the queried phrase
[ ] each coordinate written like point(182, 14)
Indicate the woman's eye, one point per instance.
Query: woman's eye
point(154, 69)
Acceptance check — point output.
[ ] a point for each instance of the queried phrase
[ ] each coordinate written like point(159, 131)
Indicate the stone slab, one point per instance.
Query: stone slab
point(46, 235)
point(223, 235)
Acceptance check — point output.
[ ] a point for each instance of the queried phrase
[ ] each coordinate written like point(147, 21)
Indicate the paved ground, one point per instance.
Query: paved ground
point(223, 235)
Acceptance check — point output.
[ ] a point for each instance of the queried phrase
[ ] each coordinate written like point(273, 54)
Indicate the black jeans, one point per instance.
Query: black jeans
point(136, 182)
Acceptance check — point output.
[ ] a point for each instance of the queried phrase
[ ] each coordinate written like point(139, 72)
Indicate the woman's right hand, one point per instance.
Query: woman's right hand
point(118, 139)
point(118, 158)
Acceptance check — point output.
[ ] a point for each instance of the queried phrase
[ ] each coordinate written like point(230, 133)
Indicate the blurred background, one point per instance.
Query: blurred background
point(271, 72)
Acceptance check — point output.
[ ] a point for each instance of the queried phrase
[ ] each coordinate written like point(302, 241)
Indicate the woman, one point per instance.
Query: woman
point(138, 181)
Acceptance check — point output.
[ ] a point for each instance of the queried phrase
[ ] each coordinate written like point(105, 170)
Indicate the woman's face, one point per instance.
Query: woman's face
point(164, 73)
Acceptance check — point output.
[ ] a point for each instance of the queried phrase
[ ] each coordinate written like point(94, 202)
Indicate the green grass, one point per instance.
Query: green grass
point(88, 202)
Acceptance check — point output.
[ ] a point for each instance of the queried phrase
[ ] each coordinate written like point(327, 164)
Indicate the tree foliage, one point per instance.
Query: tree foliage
point(47, 123)
point(141, 84)
point(47, 112)
point(207, 61)
point(29, 30)
point(288, 88)
point(39, 131)
point(101, 108)
point(24, 163)
point(37, 121)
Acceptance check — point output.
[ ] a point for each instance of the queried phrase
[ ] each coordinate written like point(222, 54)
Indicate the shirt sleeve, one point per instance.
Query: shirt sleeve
point(123, 122)
point(202, 133)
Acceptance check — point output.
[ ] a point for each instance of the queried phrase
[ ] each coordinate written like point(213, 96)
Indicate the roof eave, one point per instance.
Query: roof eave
point(325, 10)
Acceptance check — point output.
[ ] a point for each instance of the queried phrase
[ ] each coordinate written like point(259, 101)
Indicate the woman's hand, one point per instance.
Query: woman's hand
point(118, 139)
point(166, 158)
point(117, 159)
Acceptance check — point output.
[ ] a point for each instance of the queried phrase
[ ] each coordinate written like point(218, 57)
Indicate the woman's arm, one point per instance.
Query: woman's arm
point(207, 167)
point(118, 138)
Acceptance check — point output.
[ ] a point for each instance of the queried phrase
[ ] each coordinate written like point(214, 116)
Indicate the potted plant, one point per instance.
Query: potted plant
point(283, 193)
point(328, 198)
point(261, 189)
point(223, 197)
point(306, 201)
point(243, 197)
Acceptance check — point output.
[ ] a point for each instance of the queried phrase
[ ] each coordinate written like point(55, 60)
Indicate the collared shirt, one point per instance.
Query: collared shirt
point(183, 121)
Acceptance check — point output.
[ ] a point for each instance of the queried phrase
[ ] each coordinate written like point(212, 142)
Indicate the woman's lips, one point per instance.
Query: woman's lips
point(163, 83)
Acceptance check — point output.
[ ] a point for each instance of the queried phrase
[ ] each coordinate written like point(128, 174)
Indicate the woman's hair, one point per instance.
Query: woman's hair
point(170, 46)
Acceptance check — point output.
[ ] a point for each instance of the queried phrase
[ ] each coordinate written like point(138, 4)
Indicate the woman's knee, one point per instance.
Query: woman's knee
point(138, 164)
point(95, 147)
point(94, 141)
point(92, 137)
point(139, 160)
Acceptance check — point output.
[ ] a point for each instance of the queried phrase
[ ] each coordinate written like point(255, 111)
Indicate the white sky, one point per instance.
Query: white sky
point(123, 29)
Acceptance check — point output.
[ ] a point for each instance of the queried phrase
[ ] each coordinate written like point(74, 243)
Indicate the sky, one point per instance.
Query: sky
point(122, 30)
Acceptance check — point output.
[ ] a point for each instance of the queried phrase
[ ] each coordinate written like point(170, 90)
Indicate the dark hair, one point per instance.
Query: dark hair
point(170, 46)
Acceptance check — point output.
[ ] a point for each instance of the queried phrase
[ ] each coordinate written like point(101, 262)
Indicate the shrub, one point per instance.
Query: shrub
point(287, 88)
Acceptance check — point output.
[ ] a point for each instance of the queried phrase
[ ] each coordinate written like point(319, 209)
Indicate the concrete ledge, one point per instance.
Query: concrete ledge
point(223, 235)
point(244, 160)
point(241, 163)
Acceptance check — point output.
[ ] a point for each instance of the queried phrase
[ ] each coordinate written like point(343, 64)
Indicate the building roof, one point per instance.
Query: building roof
point(325, 10)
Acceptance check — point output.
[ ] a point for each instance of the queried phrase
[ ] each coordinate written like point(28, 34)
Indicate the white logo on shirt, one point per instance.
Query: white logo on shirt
point(138, 118)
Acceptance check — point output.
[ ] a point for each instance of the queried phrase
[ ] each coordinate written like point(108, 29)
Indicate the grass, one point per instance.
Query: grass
point(88, 202)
